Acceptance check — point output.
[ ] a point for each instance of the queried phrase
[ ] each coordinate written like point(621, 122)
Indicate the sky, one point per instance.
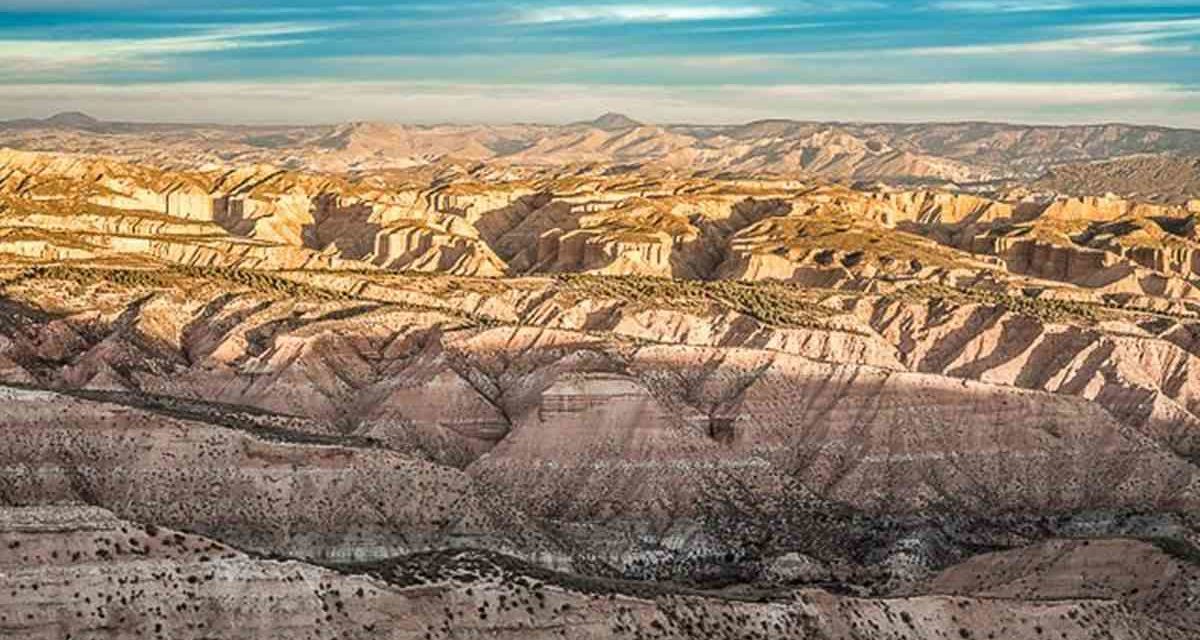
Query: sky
point(498, 61)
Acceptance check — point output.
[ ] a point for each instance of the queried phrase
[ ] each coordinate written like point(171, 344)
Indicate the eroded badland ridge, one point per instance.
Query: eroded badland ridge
point(967, 152)
point(600, 380)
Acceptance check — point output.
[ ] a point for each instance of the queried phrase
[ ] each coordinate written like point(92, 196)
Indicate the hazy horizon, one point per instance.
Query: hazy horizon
point(34, 117)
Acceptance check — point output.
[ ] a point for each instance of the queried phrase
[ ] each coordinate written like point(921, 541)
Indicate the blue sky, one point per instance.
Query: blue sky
point(559, 60)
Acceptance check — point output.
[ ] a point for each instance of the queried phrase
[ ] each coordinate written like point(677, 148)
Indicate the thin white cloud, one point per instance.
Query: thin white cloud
point(1157, 28)
point(639, 13)
point(1040, 94)
point(1005, 6)
point(1098, 46)
point(1032, 6)
point(27, 56)
point(1114, 38)
point(74, 5)
point(1102, 39)
point(757, 28)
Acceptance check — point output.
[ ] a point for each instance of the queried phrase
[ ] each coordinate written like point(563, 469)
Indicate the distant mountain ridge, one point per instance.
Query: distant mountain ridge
point(1161, 178)
point(964, 152)
point(73, 119)
point(614, 122)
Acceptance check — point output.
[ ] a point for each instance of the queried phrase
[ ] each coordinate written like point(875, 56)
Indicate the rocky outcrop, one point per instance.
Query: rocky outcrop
point(1142, 573)
point(591, 251)
point(127, 580)
point(283, 494)
point(947, 208)
point(423, 247)
point(1101, 209)
point(638, 237)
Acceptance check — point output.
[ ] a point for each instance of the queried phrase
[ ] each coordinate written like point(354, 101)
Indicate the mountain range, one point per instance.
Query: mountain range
point(939, 153)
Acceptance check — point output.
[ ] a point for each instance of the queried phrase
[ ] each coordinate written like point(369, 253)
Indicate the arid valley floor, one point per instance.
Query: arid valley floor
point(602, 380)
